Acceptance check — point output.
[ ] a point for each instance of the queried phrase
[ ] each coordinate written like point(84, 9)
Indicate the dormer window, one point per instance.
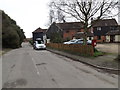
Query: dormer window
point(99, 28)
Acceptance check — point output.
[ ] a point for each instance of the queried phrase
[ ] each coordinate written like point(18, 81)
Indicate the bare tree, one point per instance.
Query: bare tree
point(55, 15)
point(85, 10)
point(60, 16)
point(51, 16)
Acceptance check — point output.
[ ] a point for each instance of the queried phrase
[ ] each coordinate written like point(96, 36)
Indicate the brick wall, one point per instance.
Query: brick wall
point(103, 38)
point(69, 33)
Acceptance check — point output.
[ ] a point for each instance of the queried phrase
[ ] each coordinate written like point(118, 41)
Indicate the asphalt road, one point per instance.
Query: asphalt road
point(28, 68)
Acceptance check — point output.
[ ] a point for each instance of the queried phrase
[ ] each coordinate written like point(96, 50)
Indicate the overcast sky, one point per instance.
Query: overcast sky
point(29, 14)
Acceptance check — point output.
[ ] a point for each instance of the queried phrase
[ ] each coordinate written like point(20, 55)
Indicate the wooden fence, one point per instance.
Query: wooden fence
point(81, 49)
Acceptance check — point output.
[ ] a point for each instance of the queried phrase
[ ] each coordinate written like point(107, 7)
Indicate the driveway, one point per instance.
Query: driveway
point(28, 68)
point(109, 47)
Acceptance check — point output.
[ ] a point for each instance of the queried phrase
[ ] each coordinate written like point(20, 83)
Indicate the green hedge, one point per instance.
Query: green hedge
point(12, 34)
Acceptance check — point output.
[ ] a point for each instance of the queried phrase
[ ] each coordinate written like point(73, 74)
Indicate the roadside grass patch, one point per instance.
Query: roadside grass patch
point(5, 50)
point(98, 53)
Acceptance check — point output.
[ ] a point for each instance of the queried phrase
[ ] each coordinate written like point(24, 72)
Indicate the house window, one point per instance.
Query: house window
point(99, 37)
point(99, 28)
point(112, 28)
point(67, 31)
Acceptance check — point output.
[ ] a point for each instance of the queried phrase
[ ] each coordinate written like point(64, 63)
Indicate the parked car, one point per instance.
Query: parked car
point(39, 45)
point(78, 41)
point(70, 42)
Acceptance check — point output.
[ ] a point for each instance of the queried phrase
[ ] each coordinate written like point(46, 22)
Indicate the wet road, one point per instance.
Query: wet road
point(28, 68)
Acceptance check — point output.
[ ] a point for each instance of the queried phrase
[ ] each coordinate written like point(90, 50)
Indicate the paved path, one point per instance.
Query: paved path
point(109, 47)
point(28, 68)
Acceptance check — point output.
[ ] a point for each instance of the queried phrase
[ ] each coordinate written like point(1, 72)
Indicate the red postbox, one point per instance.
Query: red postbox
point(94, 43)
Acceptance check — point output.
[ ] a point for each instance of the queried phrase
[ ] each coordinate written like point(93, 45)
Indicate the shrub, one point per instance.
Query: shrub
point(56, 38)
point(97, 53)
point(10, 39)
point(31, 42)
point(12, 34)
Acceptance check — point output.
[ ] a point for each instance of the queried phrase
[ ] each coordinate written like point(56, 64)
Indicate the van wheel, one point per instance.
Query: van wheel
point(33, 47)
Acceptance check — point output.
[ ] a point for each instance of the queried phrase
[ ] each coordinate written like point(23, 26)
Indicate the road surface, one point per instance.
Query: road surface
point(28, 68)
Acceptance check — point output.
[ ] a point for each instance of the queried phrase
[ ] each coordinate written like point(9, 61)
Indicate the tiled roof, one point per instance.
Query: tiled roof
point(81, 34)
point(105, 22)
point(40, 30)
point(70, 25)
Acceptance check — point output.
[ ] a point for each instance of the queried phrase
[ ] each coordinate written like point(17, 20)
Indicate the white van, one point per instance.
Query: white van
point(39, 45)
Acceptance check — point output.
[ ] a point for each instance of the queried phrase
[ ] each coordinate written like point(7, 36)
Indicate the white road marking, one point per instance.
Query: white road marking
point(35, 66)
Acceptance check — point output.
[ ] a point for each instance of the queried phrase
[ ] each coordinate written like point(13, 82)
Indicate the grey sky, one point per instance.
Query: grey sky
point(29, 14)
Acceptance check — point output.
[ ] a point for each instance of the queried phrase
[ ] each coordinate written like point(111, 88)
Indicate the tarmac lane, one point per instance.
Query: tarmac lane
point(28, 68)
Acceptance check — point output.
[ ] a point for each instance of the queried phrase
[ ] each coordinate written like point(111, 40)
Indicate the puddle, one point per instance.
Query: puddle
point(13, 84)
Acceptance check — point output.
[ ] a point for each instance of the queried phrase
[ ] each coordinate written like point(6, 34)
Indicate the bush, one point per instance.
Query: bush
point(31, 42)
point(10, 39)
point(12, 34)
point(97, 53)
point(56, 38)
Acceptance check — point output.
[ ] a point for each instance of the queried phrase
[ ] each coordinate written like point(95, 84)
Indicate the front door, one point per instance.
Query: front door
point(112, 38)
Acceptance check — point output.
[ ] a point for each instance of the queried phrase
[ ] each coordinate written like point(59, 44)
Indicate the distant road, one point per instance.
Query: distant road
point(28, 68)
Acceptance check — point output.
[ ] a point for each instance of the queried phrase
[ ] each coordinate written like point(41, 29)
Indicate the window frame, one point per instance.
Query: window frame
point(99, 28)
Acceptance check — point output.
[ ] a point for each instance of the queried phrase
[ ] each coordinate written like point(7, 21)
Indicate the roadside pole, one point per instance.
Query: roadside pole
point(94, 43)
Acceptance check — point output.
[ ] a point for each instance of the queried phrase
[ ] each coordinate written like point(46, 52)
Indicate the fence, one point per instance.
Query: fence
point(76, 48)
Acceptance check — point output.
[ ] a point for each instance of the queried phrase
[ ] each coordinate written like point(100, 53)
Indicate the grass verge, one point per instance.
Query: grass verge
point(98, 53)
point(5, 50)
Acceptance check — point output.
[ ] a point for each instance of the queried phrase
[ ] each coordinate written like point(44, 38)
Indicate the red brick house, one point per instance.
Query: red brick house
point(67, 30)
